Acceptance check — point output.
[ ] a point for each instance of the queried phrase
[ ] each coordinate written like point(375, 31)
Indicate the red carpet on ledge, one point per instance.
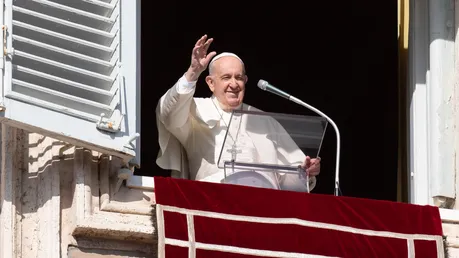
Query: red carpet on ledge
point(199, 219)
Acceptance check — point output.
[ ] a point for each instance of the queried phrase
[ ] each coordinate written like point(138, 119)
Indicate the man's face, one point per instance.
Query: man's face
point(227, 81)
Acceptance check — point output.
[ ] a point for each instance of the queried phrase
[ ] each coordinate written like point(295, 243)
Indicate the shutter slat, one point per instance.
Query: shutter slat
point(66, 86)
point(96, 7)
point(56, 97)
point(63, 41)
point(69, 13)
point(64, 56)
point(63, 26)
point(52, 106)
point(67, 71)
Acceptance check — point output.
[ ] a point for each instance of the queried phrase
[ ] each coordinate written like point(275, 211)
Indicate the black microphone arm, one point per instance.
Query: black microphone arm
point(264, 85)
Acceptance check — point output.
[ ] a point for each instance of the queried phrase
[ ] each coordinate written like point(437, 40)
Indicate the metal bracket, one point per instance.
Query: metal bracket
point(123, 175)
point(108, 124)
point(131, 139)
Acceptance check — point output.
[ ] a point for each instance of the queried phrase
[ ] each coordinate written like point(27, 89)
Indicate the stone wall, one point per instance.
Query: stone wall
point(64, 201)
point(451, 231)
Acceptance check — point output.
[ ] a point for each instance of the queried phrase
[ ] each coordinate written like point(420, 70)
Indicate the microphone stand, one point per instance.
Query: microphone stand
point(264, 85)
point(338, 138)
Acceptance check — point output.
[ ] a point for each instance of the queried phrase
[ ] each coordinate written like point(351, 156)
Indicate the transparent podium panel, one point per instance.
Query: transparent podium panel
point(263, 149)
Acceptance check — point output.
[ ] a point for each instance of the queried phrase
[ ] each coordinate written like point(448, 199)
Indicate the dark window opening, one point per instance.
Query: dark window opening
point(340, 57)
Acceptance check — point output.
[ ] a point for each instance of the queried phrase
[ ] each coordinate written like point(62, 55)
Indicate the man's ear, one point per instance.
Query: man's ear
point(210, 83)
point(246, 78)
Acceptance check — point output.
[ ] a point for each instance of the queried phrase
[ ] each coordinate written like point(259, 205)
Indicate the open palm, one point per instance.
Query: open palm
point(199, 57)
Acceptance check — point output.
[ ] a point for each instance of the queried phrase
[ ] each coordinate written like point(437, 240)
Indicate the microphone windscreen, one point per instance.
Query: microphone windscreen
point(262, 84)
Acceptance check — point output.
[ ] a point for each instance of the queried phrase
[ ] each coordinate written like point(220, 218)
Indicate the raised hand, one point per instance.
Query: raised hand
point(199, 58)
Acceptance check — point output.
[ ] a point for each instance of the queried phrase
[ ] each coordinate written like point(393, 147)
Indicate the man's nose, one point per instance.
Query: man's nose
point(233, 83)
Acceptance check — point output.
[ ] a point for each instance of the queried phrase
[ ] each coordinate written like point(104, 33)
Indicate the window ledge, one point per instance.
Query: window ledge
point(449, 215)
point(141, 182)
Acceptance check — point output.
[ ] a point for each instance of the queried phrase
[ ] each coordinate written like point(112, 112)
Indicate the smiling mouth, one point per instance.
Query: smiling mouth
point(232, 92)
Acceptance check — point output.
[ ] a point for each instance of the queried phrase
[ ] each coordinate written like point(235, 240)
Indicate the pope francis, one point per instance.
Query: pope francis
point(192, 130)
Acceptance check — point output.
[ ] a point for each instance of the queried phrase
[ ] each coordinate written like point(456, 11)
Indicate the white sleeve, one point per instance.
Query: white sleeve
point(184, 86)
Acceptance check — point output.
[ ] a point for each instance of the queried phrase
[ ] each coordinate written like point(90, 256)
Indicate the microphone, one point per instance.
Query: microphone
point(266, 86)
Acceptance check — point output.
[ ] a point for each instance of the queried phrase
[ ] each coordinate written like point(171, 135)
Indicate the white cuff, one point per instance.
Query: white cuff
point(184, 86)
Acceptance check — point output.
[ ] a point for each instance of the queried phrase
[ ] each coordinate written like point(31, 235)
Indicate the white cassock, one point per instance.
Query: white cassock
point(192, 132)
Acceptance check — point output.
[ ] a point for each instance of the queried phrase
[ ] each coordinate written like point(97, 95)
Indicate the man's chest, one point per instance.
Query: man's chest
point(221, 143)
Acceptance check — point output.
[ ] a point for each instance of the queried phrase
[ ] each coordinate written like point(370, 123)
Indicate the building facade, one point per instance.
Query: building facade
point(67, 188)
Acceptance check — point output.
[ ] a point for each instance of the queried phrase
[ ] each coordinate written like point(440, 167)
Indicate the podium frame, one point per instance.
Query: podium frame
point(282, 130)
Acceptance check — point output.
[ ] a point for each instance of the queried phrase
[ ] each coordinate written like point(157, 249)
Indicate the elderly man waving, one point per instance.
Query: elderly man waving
point(192, 130)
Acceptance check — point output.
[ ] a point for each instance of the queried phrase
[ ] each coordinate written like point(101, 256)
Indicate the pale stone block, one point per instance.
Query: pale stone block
point(453, 252)
point(75, 252)
point(451, 230)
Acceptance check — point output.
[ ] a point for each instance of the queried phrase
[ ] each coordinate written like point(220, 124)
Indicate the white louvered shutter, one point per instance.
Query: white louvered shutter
point(72, 71)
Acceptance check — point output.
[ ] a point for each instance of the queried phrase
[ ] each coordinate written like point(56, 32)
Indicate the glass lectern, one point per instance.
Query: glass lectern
point(263, 149)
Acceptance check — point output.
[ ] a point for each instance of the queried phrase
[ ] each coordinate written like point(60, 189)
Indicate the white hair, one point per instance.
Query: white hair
point(220, 56)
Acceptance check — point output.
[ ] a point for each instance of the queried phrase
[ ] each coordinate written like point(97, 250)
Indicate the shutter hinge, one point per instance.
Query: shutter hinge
point(6, 52)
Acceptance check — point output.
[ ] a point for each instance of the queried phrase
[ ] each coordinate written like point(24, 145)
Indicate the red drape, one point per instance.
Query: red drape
point(199, 219)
